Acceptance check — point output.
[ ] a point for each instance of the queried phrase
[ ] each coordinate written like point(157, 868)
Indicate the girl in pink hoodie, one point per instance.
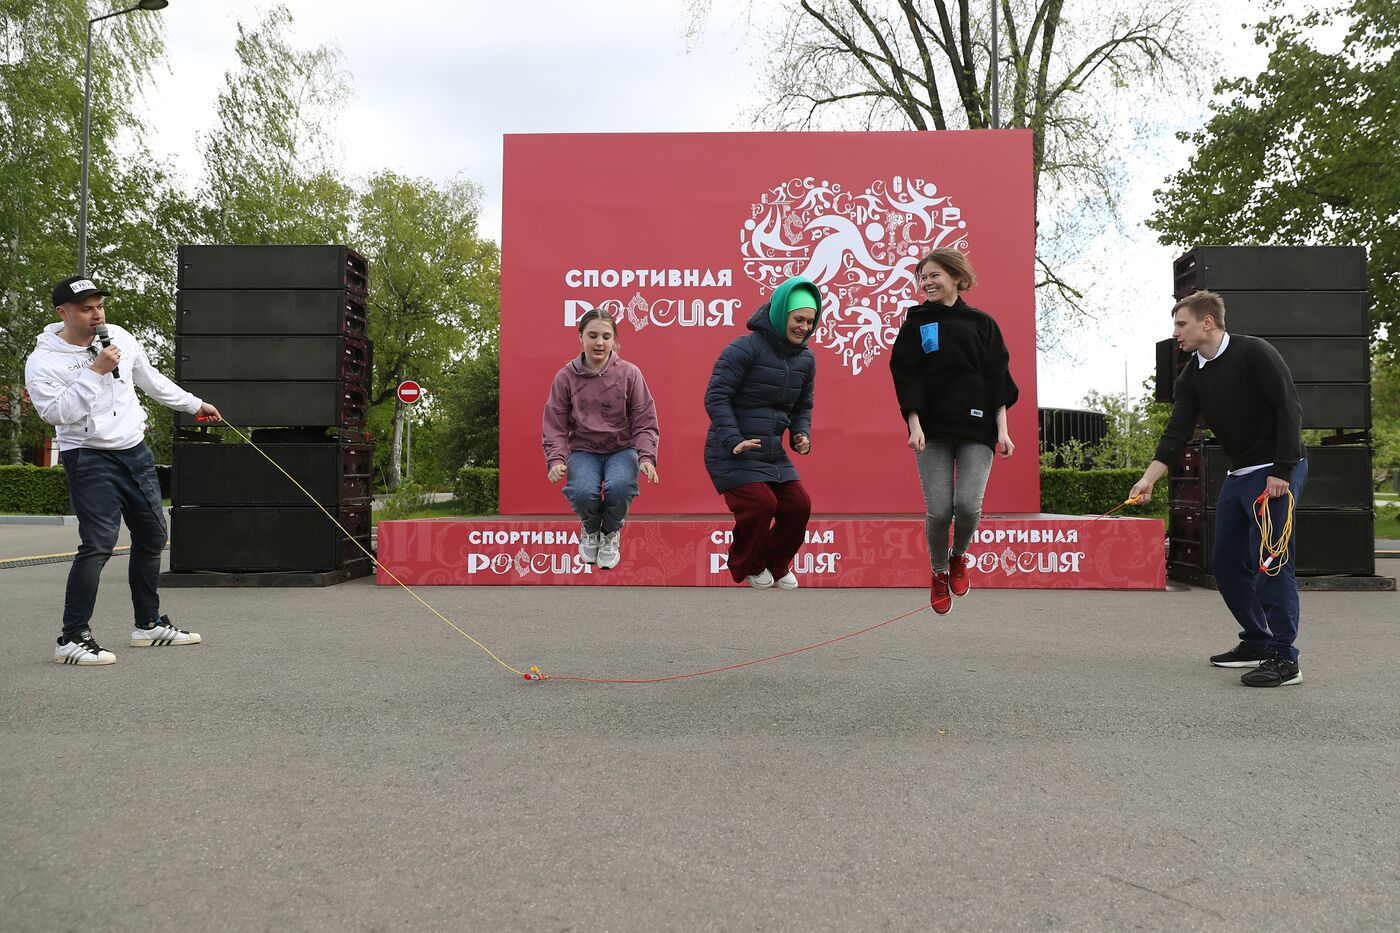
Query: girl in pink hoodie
point(599, 432)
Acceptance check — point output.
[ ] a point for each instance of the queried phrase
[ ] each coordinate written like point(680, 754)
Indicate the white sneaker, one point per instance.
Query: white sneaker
point(82, 649)
point(610, 550)
point(588, 542)
point(163, 633)
point(760, 581)
point(787, 581)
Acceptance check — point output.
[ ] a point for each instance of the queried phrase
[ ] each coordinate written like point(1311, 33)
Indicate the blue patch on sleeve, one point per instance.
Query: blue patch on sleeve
point(928, 336)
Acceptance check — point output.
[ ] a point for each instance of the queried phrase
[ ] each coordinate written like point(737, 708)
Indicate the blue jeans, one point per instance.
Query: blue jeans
point(601, 487)
point(1266, 607)
point(106, 486)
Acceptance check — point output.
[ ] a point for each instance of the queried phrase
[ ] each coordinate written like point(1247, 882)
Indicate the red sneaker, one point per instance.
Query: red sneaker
point(938, 596)
point(957, 575)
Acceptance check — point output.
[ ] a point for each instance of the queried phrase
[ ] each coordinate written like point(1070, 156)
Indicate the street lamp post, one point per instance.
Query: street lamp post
point(87, 120)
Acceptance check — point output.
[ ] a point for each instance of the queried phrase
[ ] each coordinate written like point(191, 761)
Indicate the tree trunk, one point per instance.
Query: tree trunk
point(12, 394)
point(396, 447)
point(16, 380)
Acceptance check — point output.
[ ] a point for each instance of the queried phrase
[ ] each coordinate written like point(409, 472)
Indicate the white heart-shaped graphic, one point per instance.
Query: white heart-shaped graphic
point(861, 249)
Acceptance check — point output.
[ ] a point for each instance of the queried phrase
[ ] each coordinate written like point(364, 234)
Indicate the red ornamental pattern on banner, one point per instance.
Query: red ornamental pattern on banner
point(1006, 554)
point(684, 236)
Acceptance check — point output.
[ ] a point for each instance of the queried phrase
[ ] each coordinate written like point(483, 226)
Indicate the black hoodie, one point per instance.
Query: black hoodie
point(950, 364)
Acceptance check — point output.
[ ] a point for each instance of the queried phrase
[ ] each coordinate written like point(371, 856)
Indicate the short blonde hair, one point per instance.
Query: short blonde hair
point(1201, 303)
point(952, 262)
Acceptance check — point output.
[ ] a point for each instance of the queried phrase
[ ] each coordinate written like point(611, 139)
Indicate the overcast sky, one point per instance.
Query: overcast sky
point(438, 82)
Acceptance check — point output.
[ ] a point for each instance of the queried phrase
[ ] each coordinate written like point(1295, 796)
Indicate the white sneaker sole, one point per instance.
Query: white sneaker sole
point(85, 662)
point(1236, 664)
point(164, 642)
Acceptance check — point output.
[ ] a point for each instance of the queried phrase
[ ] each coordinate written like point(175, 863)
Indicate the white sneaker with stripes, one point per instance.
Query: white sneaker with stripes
point(82, 649)
point(163, 633)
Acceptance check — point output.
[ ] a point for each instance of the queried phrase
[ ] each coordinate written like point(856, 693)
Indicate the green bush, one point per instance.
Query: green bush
point(1093, 492)
point(407, 499)
point(478, 490)
point(31, 490)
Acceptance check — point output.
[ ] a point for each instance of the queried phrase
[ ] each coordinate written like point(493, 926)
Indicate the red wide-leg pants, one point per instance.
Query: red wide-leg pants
point(770, 520)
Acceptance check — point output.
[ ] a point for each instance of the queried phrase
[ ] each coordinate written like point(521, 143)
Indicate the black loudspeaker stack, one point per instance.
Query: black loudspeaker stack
point(275, 337)
point(1310, 303)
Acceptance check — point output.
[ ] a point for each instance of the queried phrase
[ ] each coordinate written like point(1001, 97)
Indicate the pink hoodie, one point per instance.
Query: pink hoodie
point(600, 413)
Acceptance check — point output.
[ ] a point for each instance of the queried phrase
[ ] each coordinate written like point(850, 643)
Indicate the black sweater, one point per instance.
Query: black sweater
point(1247, 397)
point(950, 364)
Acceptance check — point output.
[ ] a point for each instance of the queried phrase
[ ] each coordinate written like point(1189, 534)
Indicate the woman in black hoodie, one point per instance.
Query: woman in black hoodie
point(951, 377)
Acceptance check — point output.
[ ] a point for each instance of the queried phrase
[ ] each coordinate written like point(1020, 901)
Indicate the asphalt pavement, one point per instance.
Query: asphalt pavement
point(340, 759)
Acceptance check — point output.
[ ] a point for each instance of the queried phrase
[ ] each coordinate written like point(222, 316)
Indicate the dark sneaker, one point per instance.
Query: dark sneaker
point(957, 575)
point(1241, 655)
point(83, 649)
point(1275, 672)
point(939, 596)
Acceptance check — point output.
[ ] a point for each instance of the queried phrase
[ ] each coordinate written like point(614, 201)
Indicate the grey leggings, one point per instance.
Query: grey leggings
point(954, 476)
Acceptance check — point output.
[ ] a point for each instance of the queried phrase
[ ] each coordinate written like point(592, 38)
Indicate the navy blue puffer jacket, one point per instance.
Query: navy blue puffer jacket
point(761, 388)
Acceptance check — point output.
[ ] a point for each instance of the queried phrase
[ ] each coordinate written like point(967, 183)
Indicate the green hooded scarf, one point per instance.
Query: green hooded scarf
point(793, 295)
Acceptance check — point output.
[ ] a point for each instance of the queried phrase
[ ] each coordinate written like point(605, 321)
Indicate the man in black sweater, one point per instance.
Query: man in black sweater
point(1243, 390)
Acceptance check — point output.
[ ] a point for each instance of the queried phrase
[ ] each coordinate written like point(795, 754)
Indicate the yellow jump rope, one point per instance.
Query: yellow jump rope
point(1273, 551)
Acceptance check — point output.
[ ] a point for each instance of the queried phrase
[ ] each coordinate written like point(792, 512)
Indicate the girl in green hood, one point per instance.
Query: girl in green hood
point(759, 393)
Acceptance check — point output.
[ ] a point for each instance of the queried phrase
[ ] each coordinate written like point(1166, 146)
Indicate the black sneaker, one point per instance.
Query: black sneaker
point(1242, 655)
point(1275, 672)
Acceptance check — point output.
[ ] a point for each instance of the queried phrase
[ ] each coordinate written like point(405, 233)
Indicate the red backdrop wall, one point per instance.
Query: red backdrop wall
point(685, 235)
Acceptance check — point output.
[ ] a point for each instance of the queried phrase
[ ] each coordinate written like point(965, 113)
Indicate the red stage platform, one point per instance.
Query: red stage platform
point(1009, 552)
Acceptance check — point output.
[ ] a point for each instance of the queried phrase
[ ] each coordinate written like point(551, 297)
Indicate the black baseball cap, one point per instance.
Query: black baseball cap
point(75, 288)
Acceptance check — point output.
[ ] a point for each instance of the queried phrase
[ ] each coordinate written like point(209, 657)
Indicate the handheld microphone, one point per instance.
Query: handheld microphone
point(106, 342)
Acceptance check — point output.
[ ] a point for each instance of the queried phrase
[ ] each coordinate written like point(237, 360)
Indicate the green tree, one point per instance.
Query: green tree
point(1133, 428)
point(135, 212)
point(896, 64)
point(434, 293)
point(466, 417)
point(1305, 152)
point(271, 168)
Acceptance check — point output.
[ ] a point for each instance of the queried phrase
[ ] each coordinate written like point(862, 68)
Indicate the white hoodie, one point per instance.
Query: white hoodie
point(91, 410)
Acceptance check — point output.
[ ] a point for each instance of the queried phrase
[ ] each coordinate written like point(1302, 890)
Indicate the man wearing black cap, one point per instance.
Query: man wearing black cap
point(81, 378)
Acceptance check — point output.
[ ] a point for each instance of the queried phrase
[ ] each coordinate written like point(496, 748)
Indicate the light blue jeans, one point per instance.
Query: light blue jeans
point(601, 487)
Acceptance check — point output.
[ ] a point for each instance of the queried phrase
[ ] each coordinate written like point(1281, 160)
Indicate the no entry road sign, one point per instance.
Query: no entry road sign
point(409, 391)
